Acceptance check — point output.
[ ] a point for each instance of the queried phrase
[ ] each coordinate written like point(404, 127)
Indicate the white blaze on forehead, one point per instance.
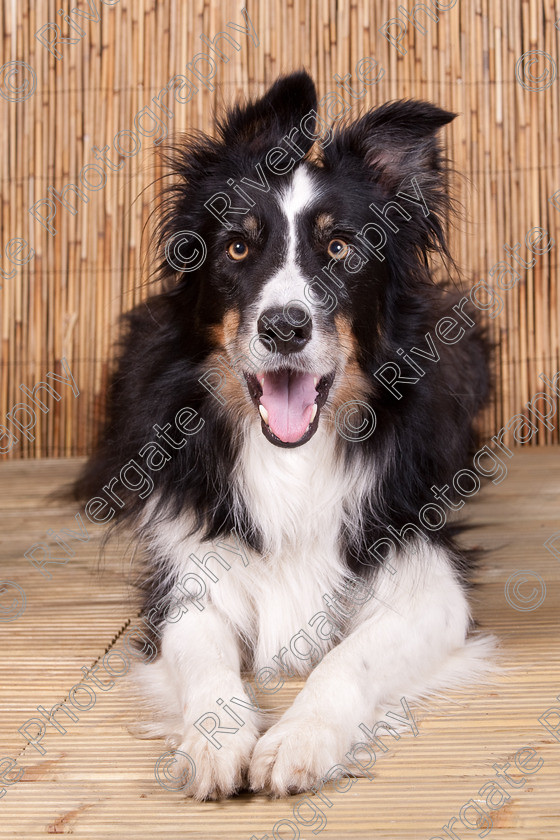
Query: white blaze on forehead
point(298, 195)
point(288, 283)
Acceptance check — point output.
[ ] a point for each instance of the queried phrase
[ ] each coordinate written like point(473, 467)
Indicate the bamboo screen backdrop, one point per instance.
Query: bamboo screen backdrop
point(66, 280)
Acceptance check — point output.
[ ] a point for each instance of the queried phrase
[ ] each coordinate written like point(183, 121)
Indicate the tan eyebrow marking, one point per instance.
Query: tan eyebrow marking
point(324, 223)
point(251, 224)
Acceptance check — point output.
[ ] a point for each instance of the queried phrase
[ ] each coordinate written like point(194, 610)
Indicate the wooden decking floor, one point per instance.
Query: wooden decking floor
point(97, 780)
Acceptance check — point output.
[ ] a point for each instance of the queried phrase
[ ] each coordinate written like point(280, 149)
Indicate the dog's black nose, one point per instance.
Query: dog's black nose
point(289, 336)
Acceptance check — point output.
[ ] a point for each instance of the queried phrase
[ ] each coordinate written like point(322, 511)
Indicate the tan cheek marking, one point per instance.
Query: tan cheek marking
point(355, 385)
point(217, 334)
point(236, 395)
point(233, 390)
point(231, 325)
point(225, 333)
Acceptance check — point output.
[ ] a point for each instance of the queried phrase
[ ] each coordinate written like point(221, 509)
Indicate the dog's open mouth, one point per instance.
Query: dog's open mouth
point(289, 403)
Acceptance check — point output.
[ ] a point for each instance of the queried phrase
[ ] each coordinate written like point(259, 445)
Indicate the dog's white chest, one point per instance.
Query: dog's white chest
point(298, 499)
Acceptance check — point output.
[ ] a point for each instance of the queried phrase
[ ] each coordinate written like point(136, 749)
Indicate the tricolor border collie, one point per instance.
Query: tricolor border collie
point(297, 437)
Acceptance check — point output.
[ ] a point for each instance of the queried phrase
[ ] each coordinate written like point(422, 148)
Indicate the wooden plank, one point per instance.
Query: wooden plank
point(97, 780)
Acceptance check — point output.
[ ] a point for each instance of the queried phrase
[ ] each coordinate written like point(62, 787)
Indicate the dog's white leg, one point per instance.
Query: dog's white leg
point(418, 617)
point(199, 664)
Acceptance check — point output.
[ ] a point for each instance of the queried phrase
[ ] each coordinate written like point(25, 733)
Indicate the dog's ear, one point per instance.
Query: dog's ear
point(396, 141)
point(261, 124)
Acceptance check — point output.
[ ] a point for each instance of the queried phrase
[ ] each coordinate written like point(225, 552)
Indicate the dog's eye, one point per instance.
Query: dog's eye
point(337, 249)
point(238, 250)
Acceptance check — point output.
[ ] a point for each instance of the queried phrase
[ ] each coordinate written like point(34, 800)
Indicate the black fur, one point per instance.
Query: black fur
point(420, 440)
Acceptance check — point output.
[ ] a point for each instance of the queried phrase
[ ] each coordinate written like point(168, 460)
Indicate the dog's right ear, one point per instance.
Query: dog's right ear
point(398, 144)
point(396, 141)
point(260, 125)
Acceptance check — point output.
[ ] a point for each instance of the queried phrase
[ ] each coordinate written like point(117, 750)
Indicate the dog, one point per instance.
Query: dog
point(298, 438)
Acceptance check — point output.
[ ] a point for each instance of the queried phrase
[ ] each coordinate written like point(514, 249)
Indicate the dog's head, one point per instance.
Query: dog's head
point(299, 244)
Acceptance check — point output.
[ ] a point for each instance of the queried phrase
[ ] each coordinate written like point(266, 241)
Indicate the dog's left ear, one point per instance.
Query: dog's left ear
point(261, 124)
point(396, 141)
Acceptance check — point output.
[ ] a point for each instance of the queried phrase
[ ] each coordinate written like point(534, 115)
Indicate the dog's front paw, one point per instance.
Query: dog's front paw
point(218, 773)
point(294, 754)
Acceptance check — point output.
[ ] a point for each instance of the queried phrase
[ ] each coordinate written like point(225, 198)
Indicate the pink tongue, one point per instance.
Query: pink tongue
point(288, 397)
